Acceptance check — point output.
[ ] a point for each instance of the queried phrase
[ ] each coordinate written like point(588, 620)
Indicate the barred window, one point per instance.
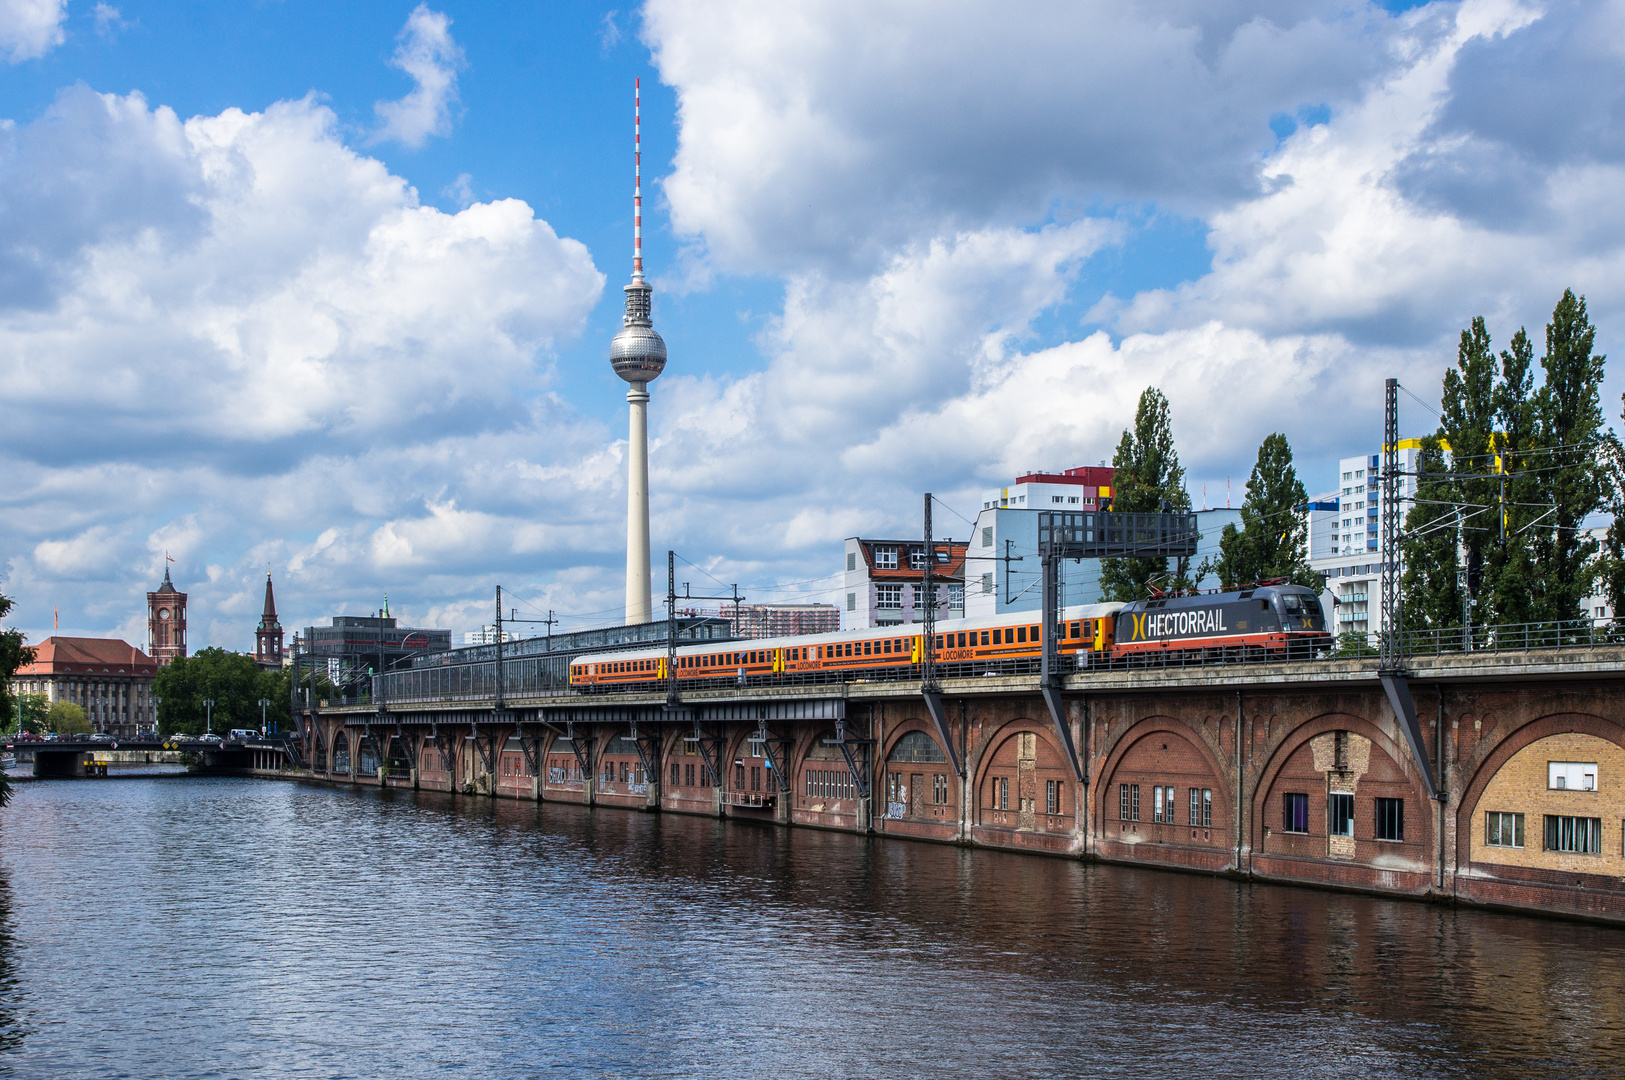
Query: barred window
point(1580, 835)
point(1340, 813)
point(1295, 813)
point(1390, 819)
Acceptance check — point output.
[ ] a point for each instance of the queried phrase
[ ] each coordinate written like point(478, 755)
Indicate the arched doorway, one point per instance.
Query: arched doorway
point(341, 753)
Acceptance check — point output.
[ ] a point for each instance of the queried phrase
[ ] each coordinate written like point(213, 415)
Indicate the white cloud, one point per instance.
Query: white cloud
point(108, 19)
point(30, 28)
point(425, 51)
point(234, 333)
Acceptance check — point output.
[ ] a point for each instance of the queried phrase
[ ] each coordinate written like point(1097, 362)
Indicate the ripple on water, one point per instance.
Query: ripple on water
point(219, 928)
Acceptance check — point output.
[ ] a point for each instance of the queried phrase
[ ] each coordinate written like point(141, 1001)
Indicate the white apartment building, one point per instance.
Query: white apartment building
point(884, 581)
point(1353, 565)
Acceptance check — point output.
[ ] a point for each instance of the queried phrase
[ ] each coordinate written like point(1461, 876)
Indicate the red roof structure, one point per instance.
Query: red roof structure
point(88, 656)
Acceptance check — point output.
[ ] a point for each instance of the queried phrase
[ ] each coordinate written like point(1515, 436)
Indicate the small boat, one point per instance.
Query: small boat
point(8, 760)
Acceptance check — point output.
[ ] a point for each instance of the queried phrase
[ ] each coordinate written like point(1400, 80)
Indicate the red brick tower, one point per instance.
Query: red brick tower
point(166, 622)
point(268, 638)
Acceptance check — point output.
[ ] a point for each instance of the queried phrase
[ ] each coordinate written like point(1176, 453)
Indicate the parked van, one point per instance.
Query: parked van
point(242, 735)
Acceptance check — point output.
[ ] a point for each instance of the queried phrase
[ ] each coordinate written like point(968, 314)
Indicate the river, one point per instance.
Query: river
point(190, 927)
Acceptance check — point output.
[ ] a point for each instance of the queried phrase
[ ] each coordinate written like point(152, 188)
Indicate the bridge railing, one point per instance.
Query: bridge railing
point(1512, 637)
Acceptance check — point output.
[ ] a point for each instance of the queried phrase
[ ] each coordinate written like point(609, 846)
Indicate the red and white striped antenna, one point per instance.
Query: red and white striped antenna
point(637, 179)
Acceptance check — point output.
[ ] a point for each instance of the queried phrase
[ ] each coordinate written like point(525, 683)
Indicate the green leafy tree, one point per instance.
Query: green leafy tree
point(1505, 595)
point(35, 709)
point(1273, 539)
point(1431, 583)
point(1469, 431)
point(1148, 475)
point(14, 654)
point(1570, 426)
point(231, 680)
point(66, 718)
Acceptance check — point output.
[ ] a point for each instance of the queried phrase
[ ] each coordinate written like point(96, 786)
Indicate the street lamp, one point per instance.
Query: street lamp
point(208, 716)
point(263, 703)
point(157, 703)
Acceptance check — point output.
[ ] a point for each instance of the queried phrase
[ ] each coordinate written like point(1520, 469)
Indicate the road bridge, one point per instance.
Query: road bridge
point(65, 758)
point(1300, 771)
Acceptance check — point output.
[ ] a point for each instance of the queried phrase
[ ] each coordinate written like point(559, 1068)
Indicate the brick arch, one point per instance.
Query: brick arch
point(996, 742)
point(1162, 725)
point(895, 735)
point(1299, 737)
point(349, 753)
point(1522, 738)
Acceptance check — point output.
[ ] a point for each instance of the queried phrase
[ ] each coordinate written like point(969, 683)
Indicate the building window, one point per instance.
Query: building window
point(1201, 808)
point(1340, 813)
point(1581, 835)
point(939, 789)
point(888, 596)
point(1052, 796)
point(956, 596)
point(1571, 775)
point(916, 558)
point(1128, 802)
point(885, 558)
point(1390, 819)
point(1002, 786)
point(851, 560)
point(851, 601)
point(987, 584)
point(987, 536)
point(1158, 812)
point(1295, 814)
point(688, 775)
point(1502, 829)
point(676, 771)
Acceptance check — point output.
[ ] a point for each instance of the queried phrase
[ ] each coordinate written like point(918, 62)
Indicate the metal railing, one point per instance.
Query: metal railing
point(1512, 637)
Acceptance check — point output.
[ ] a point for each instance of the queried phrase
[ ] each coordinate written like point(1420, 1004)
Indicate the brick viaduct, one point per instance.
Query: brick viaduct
point(1234, 770)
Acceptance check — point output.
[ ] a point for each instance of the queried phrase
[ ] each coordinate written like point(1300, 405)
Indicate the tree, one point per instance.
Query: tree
point(1148, 475)
point(1431, 582)
point(35, 709)
point(1570, 426)
point(1505, 594)
point(1273, 539)
point(231, 680)
point(66, 718)
point(14, 654)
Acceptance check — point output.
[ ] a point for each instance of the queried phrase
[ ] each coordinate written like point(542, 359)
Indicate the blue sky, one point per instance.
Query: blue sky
point(895, 249)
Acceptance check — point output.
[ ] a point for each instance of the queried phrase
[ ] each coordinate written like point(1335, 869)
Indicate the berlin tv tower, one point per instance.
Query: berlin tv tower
point(638, 355)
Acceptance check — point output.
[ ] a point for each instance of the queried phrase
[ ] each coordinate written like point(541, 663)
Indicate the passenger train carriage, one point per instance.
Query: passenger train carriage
point(1261, 621)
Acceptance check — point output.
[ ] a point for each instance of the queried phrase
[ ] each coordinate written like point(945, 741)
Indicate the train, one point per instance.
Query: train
point(1262, 622)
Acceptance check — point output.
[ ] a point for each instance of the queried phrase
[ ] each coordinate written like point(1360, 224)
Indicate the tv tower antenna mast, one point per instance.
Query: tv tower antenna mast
point(638, 355)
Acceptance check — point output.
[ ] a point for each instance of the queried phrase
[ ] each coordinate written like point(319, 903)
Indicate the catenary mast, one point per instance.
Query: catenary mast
point(638, 355)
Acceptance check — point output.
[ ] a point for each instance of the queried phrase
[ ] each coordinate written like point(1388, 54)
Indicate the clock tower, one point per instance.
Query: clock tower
point(166, 622)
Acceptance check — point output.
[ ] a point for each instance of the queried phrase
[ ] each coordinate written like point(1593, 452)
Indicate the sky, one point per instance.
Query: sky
point(326, 291)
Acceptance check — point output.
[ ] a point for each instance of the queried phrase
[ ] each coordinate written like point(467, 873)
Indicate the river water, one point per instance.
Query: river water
point(188, 927)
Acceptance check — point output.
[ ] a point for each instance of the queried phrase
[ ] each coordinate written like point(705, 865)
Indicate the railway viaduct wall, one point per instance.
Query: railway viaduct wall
point(1292, 773)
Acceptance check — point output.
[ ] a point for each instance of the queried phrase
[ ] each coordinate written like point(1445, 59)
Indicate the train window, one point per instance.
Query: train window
point(998, 637)
point(1032, 634)
point(885, 646)
point(984, 637)
point(1263, 605)
point(1074, 629)
point(961, 641)
point(1021, 633)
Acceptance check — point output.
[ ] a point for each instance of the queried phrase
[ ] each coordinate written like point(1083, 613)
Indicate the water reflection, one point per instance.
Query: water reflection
point(218, 927)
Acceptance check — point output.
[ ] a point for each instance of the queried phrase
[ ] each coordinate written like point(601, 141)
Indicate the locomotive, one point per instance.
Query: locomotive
point(1265, 621)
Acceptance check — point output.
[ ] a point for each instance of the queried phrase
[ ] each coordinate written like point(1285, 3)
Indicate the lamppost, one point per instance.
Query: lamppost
point(157, 703)
point(263, 703)
point(208, 716)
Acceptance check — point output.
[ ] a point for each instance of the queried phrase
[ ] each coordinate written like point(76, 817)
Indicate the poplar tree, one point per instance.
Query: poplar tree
point(1569, 424)
point(1510, 572)
point(1147, 476)
point(1431, 582)
point(1273, 539)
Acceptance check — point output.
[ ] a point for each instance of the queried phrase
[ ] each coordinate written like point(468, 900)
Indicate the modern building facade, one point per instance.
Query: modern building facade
point(885, 580)
point(776, 620)
point(109, 678)
point(166, 622)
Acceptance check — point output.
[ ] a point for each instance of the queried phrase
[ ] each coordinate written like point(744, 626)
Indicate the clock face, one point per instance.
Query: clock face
point(163, 613)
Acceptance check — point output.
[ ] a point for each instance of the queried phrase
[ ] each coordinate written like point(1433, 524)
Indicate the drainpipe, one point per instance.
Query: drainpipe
point(1438, 741)
point(1238, 795)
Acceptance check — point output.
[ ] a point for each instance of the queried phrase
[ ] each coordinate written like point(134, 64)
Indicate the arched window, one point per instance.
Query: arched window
point(917, 746)
point(341, 753)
